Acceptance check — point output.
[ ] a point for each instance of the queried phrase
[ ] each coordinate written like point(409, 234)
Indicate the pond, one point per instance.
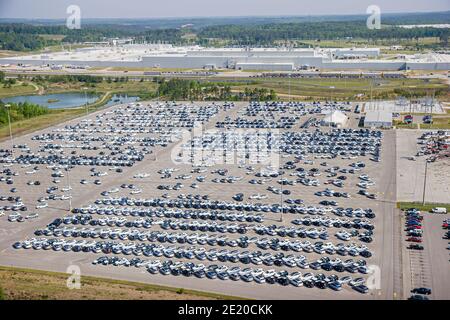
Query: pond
point(68, 100)
point(120, 99)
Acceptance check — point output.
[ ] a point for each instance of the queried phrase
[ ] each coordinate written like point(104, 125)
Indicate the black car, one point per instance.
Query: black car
point(361, 288)
point(415, 247)
point(321, 284)
point(425, 291)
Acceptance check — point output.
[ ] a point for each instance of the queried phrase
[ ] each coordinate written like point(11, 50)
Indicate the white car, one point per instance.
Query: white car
point(357, 282)
point(258, 196)
point(439, 210)
point(13, 217)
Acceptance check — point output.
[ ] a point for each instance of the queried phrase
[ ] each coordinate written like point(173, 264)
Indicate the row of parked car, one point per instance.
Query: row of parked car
point(352, 249)
point(233, 206)
point(413, 228)
point(414, 232)
point(223, 272)
point(329, 222)
point(164, 213)
point(198, 253)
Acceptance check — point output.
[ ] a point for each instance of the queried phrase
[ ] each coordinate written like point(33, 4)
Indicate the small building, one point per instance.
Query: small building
point(378, 119)
point(335, 118)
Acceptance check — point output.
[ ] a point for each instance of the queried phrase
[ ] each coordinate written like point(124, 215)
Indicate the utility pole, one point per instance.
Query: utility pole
point(281, 201)
point(7, 106)
point(70, 187)
point(86, 101)
point(425, 182)
point(289, 79)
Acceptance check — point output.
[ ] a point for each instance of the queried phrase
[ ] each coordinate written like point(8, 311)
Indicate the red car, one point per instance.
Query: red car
point(408, 119)
point(414, 239)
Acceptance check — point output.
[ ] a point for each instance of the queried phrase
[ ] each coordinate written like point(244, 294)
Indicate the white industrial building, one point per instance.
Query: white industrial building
point(378, 119)
point(335, 118)
point(195, 57)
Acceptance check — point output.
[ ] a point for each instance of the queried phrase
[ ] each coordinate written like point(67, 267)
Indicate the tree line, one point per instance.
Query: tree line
point(181, 89)
point(20, 111)
point(270, 33)
point(23, 37)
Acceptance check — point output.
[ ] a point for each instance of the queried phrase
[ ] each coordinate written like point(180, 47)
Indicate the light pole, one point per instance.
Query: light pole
point(425, 183)
point(85, 101)
point(70, 187)
point(7, 106)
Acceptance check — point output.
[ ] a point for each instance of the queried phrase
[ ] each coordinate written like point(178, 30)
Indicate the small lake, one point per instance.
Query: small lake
point(68, 100)
point(120, 99)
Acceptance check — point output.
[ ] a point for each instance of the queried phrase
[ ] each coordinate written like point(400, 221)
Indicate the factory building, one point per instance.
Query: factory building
point(260, 59)
point(378, 119)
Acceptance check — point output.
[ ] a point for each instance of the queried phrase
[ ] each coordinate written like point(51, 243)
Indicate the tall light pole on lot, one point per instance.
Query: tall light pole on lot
point(281, 199)
point(289, 79)
point(86, 101)
point(425, 182)
point(7, 106)
point(69, 187)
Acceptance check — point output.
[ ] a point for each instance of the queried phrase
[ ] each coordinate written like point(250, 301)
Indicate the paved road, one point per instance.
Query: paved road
point(386, 215)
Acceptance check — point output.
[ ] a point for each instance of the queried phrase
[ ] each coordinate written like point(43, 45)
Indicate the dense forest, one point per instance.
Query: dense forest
point(267, 34)
point(231, 31)
point(23, 42)
point(24, 37)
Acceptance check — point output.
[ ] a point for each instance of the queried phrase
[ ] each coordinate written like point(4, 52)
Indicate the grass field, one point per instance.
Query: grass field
point(16, 90)
point(439, 122)
point(27, 284)
point(344, 88)
point(113, 87)
point(131, 87)
point(426, 207)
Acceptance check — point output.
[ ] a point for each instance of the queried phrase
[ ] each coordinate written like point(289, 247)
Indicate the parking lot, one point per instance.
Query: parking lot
point(426, 263)
point(217, 197)
point(428, 268)
point(411, 173)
